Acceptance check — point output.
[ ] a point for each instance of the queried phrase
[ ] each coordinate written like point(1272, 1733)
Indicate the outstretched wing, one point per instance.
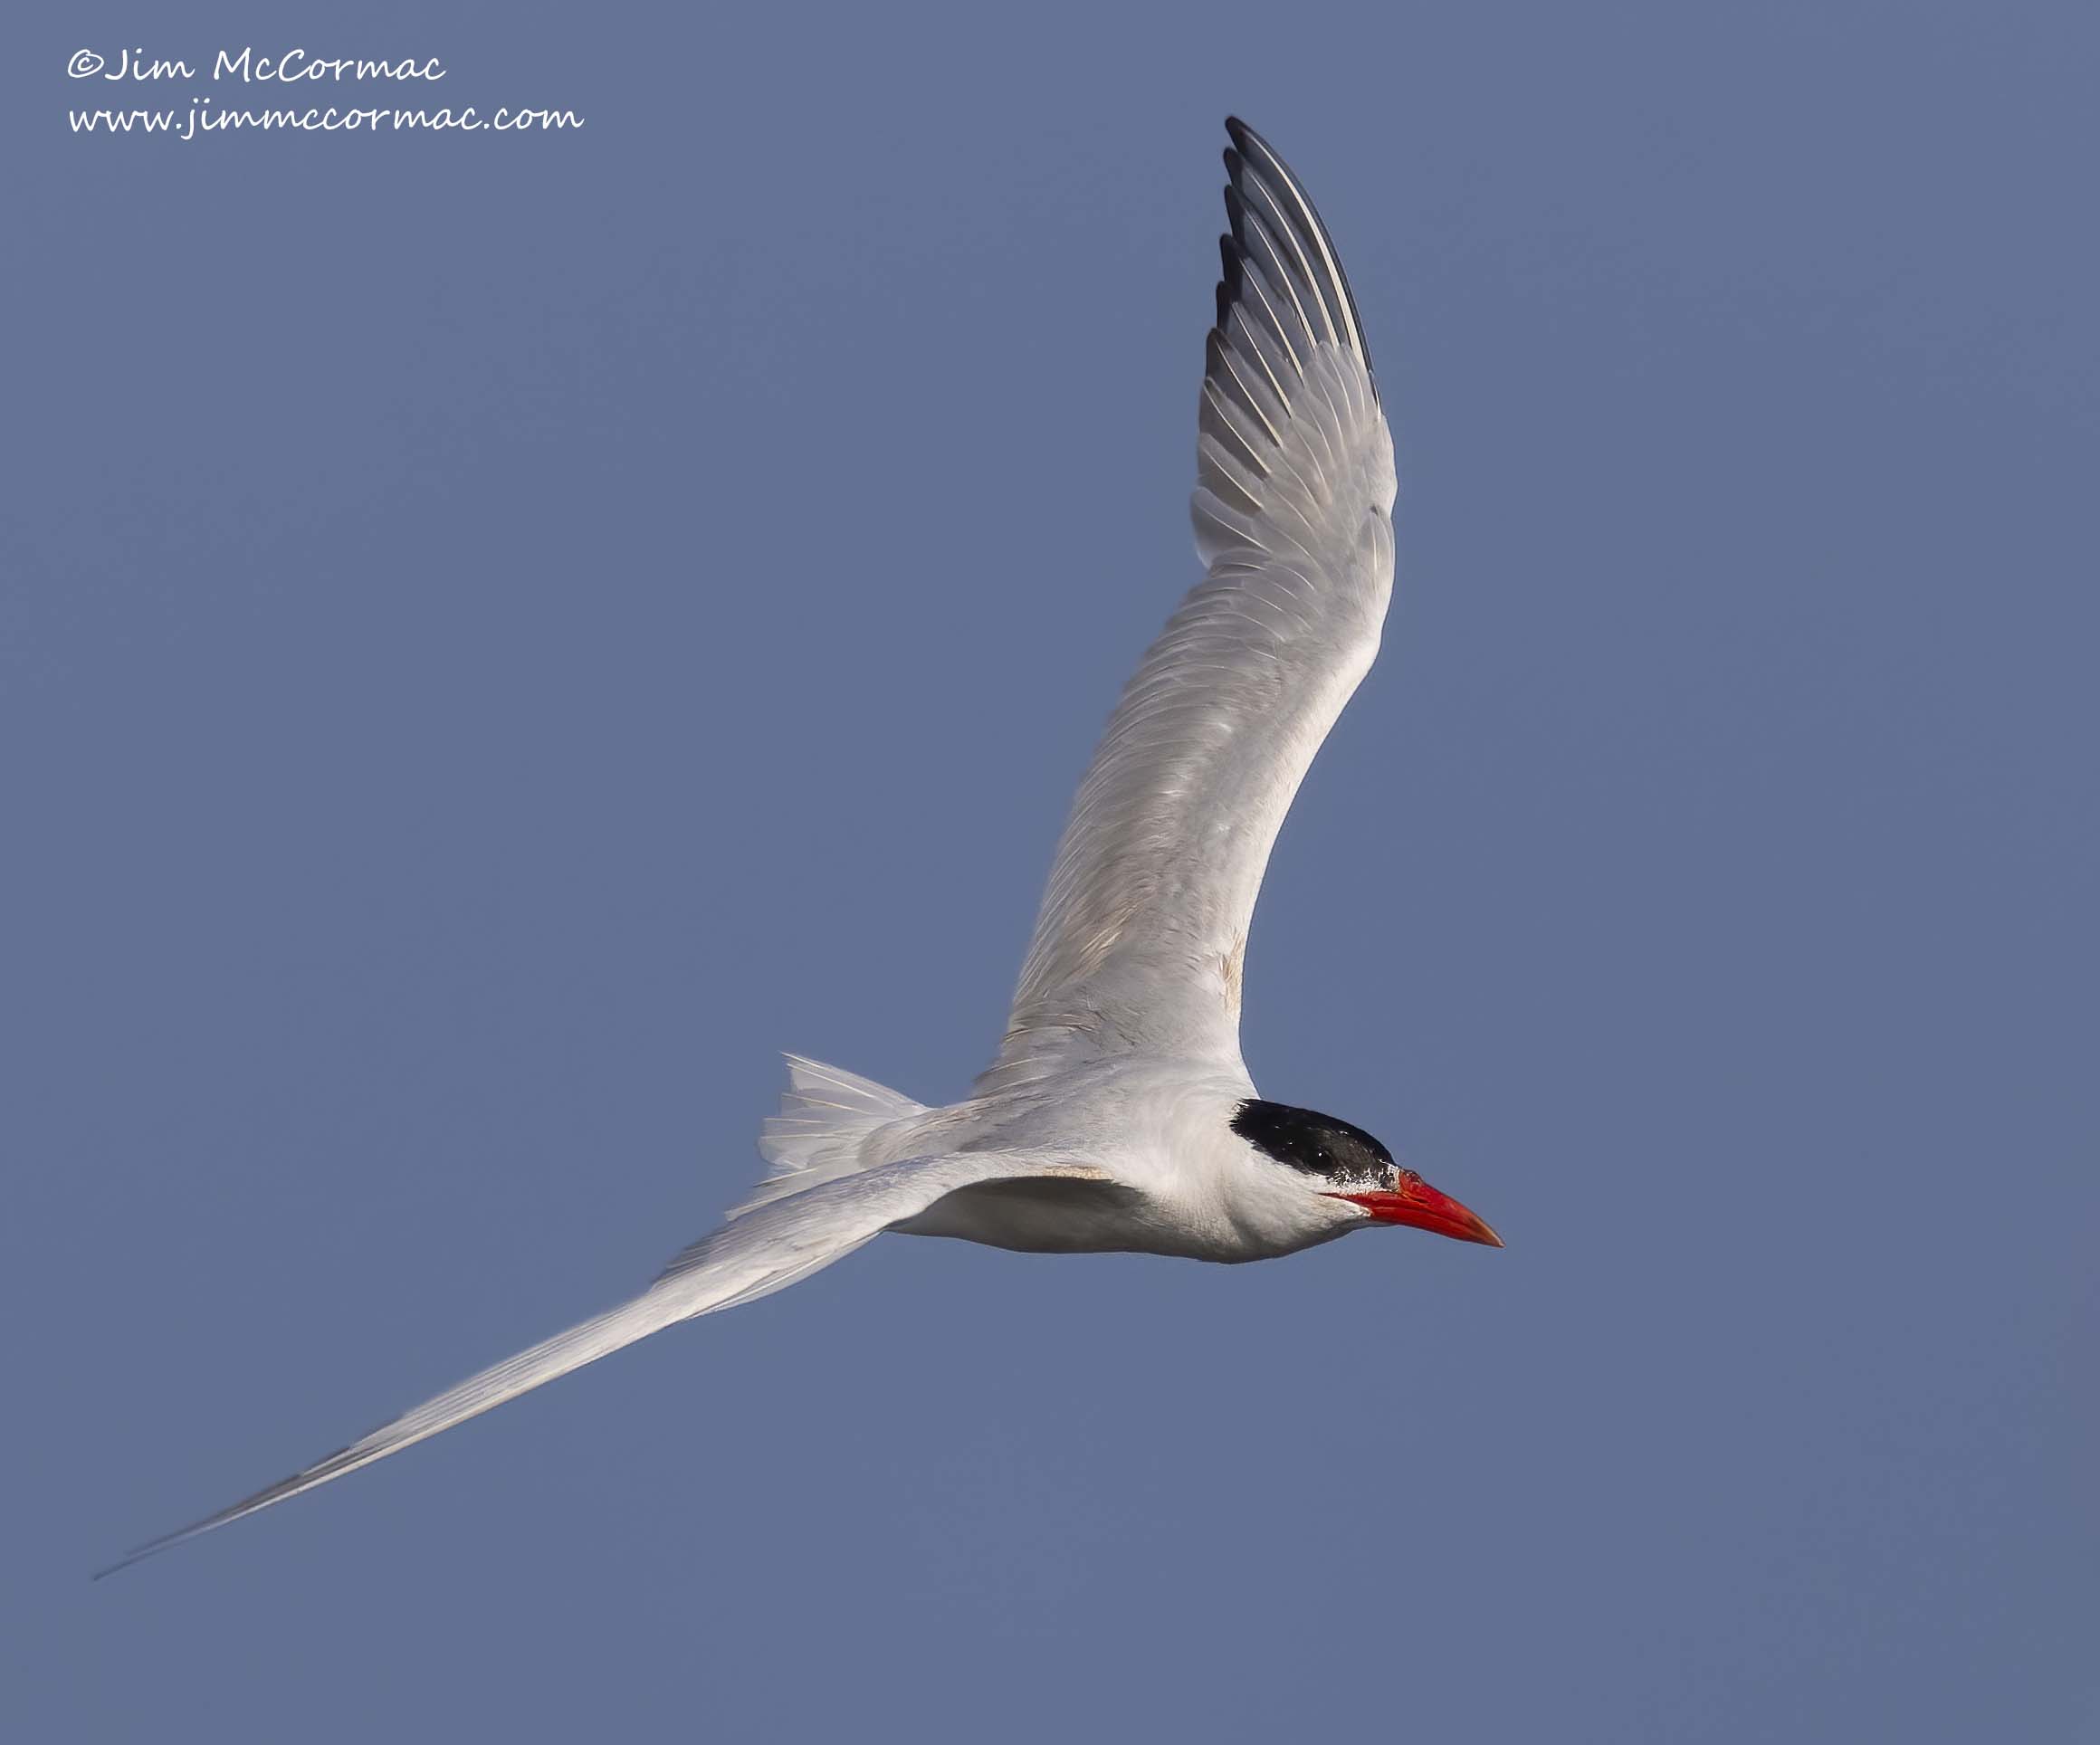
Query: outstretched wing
point(766, 1250)
point(1142, 929)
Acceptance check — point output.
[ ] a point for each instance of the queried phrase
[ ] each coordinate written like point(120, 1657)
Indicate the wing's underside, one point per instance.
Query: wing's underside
point(1140, 937)
point(768, 1248)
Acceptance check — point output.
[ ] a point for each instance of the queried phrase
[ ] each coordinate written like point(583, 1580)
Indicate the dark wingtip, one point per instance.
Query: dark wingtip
point(139, 1555)
point(1248, 139)
point(1231, 273)
point(167, 1542)
point(1249, 152)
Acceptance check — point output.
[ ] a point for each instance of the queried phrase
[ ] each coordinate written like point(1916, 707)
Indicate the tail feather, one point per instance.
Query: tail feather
point(825, 1114)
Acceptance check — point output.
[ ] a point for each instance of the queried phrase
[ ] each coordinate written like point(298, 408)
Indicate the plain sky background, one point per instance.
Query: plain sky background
point(501, 634)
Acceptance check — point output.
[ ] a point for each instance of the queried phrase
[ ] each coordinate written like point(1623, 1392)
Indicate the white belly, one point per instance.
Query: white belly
point(1183, 1182)
point(1086, 1218)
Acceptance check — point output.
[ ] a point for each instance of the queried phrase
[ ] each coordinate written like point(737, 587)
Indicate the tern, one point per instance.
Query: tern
point(1118, 1115)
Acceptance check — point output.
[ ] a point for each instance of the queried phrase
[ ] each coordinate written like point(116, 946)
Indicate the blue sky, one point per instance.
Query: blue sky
point(500, 635)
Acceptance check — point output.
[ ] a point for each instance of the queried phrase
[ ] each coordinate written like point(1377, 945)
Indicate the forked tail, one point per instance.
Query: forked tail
point(826, 1115)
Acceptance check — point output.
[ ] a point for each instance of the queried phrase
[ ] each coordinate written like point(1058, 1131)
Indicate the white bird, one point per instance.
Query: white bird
point(1118, 1115)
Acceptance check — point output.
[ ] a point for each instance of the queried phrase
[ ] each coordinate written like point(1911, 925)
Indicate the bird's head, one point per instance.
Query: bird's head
point(1345, 1163)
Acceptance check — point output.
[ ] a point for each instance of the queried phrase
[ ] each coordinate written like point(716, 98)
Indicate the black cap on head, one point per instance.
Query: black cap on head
point(1317, 1144)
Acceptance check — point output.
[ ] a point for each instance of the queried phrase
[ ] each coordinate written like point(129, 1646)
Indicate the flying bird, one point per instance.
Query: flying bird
point(1118, 1115)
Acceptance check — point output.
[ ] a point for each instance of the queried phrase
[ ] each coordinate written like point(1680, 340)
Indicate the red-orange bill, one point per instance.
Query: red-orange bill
point(1424, 1208)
